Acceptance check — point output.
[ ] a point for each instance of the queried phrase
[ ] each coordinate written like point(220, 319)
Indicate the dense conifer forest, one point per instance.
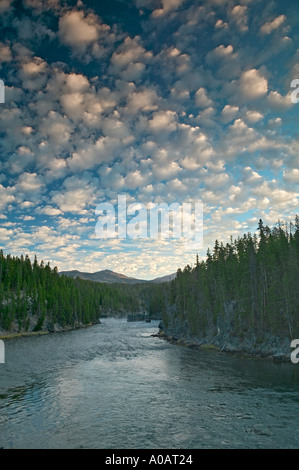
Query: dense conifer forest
point(254, 280)
point(36, 293)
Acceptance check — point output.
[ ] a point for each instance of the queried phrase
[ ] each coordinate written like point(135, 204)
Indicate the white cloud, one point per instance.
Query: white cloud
point(85, 34)
point(56, 127)
point(72, 104)
point(229, 113)
point(163, 121)
point(29, 183)
point(48, 210)
point(279, 102)
point(145, 100)
point(252, 84)
point(5, 53)
point(167, 6)
point(239, 16)
point(270, 26)
point(76, 82)
point(75, 195)
point(128, 52)
point(6, 196)
point(253, 116)
point(201, 98)
point(134, 71)
point(221, 24)
point(77, 30)
point(291, 176)
point(36, 66)
point(222, 51)
point(190, 163)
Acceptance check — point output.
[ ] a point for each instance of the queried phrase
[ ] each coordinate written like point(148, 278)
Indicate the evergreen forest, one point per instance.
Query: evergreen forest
point(256, 274)
point(31, 292)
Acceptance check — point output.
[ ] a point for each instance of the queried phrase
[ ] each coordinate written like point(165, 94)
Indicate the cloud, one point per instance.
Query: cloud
point(5, 6)
point(201, 98)
point(167, 6)
point(222, 51)
point(6, 196)
point(28, 29)
point(270, 26)
point(221, 24)
point(252, 84)
point(77, 30)
point(163, 121)
point(279, 102)
point(239, 17)
point(176, 108)
point(86, 34)
point(5, 53)
point(76, 195)
point(291, 176)
point(229, 112)
point(42, 5)
point(253, 116)
point(165, 170)
point(77, 82)
point(56, 127)
point(48, 210)
point(280, 199)
point(29, 183)
point(145, 100)
point(128, 53)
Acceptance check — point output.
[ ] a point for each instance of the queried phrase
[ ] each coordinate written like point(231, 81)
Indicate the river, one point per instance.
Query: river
point(114, 386)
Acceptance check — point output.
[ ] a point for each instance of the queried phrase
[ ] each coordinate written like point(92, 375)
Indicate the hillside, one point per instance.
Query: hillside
point(103, 276)
point(112, 277)
point(243, 297)
point(33, 297)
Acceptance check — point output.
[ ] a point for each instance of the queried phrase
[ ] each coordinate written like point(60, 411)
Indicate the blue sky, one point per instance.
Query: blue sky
point(160, 100)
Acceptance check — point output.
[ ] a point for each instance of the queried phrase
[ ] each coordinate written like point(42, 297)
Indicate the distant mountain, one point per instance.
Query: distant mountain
point(111, 277)
point(167, 278)
point(103, 276)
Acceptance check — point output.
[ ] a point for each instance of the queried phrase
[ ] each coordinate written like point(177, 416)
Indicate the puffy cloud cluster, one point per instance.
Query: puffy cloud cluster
point(196, 116)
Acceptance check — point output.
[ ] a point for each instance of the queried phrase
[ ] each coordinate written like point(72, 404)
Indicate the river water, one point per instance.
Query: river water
point(114, 386)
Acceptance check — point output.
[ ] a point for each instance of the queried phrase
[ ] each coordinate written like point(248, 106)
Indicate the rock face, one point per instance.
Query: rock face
point(47, 328)
point(224, 338)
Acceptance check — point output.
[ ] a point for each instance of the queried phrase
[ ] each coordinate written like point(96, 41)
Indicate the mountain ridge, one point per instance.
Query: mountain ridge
point(106, 275)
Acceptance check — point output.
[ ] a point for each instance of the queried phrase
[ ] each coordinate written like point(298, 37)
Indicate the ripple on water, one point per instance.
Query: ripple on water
point(114, 385)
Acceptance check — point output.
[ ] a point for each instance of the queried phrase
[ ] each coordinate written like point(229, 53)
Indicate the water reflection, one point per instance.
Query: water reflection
point(116, 386)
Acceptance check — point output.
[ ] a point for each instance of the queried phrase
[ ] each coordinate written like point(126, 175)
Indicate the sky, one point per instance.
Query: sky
point(163, 101)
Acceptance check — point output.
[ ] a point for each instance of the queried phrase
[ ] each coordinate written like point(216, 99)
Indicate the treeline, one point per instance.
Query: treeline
point(34, 293)
point(252, 281)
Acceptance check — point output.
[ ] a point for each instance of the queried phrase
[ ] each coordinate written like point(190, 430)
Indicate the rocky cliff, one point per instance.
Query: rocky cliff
point(224, 337)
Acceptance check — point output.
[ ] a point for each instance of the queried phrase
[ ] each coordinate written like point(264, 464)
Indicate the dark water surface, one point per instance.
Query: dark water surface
point(114, 386)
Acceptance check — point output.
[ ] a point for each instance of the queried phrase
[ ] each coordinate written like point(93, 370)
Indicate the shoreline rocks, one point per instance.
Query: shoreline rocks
point(271, 347)
point(48, 329)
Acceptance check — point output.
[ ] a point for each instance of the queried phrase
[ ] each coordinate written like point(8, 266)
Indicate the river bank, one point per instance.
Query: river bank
point(271, 347)
point(114, 386)
point(56, 328)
